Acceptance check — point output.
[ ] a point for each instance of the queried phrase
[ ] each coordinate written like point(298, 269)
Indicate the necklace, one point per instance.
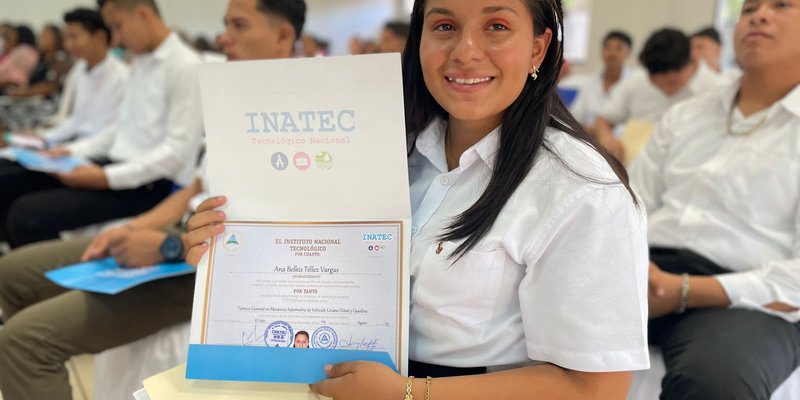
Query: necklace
point(745, 132)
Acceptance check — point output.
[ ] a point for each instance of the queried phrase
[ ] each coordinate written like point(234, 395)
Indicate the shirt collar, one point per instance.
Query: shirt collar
point(164, 49)
point(98, 69)
point(430, 144)
point(790, 102)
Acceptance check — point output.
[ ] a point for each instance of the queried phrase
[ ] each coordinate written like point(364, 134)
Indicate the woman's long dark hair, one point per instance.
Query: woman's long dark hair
point(523, 125)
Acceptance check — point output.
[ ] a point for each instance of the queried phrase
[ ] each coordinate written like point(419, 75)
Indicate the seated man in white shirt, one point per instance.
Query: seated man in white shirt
point(153, 145)
point(707, 48)
point(47, 324)
point(100, 79)
point(720, 179)
point(672, 76)
point(594, 93)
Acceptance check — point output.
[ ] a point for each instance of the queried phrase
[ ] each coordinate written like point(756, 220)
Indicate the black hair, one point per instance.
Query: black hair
point(59, 37)
point(293, 10)
point(25, 35)
point(709, 32)
point(89, 20)
point(523, 127)
point(129, 4)
point(302, 333)
point(619, 35)
point(666, 50)
point(398, 28)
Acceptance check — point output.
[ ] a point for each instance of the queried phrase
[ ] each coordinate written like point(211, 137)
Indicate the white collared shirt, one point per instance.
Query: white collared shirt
point(638, 98)
point(159, 129)
point(732, 199)
point(98, 95)
point(592, 96)
point(561, 276)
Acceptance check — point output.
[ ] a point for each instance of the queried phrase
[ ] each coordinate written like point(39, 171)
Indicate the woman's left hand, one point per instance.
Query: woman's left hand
point(361, 380)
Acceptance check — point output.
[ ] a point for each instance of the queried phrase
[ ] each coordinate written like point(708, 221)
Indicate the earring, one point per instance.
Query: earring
point(535, 73)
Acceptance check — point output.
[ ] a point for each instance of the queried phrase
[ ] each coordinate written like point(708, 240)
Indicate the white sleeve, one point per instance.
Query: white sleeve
point(777, 281)
point(184, 133)
point(617, 110)
point(647, 171)
point(62, 132)
point(95, 146)
point(579, 108)
point(584, 296)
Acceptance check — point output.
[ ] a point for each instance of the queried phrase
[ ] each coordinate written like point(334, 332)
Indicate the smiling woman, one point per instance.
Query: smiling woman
point(529, 256)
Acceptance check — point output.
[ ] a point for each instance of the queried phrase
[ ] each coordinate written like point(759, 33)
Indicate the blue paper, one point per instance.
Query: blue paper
point(271, 364)
point(35, 161)
point(567, 95)
point(108, 277)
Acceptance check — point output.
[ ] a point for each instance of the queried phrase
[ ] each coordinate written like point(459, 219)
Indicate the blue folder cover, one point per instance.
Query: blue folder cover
point(271, 364)
point(108, 277)
point(35, 161)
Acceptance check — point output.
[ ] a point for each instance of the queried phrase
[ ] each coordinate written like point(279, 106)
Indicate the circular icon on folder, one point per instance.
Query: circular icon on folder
point(280, 161)
point(324, 337)
point(324, 160)
point(279, 334)
point(302, 161)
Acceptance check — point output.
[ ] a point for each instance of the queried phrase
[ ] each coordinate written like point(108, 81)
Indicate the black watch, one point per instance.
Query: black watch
point(172, 249)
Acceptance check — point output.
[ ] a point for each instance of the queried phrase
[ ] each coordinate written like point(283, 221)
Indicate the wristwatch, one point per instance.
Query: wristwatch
point(172, 249)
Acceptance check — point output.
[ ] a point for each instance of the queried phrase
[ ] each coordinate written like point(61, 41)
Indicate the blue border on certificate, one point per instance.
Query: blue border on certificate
point(270, 364)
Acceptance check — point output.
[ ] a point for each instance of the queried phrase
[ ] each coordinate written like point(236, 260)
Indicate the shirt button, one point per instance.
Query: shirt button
point(445, 180)
point(414, 229)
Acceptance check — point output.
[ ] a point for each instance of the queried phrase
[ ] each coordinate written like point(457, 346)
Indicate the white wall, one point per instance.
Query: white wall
point(640, 18)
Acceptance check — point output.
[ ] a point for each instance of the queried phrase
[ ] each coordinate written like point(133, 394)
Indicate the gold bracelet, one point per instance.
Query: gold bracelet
point(409, 385)
point(428, 388)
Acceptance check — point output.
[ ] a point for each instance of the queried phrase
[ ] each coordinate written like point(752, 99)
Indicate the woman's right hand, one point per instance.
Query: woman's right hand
point(204, 224)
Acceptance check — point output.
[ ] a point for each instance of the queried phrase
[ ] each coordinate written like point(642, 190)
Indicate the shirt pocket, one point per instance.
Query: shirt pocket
point(464, 290)
point(762, 187)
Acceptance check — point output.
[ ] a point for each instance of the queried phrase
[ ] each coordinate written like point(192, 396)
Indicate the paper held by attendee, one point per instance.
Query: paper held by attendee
point(634, 137)
point(313, 266)
point(173, 385)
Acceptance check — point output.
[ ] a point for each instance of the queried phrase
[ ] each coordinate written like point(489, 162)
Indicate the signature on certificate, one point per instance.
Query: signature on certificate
point(369, 344)
point(252, 337)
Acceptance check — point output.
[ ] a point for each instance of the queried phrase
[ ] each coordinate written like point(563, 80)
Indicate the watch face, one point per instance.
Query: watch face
point(171, 249)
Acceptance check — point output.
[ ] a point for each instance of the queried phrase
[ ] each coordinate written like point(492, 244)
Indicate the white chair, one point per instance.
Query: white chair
point(646, 385)
point(119, 372)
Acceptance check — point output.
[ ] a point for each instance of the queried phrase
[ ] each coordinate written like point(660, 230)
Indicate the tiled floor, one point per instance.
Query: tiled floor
point(81, 377)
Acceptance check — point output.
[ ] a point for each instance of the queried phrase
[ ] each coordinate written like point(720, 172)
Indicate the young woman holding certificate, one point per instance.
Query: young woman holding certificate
point(529, 256)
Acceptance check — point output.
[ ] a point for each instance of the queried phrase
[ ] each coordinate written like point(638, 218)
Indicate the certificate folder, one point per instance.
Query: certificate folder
point(311, 155)
point(35, 161)
point(106, 276)
point(271, 364)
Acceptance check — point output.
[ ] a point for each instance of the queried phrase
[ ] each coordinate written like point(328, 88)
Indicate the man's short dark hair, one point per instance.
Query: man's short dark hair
point(398, 28)
point(89, 20)
point(619, 35)
point(293, 11)
point(25, 35)
point(666, 50)
point(301, 333)
point(709, 32)
point(129, 4)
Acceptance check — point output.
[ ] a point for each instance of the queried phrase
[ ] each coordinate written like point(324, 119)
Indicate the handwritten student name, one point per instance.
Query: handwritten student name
point(278, 122)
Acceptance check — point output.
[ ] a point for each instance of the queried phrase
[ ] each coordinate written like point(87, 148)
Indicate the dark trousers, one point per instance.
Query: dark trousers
point(36, 207)
point(720, 354)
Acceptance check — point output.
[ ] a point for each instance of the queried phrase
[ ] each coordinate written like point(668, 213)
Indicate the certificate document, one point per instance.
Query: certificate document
point(312, 268)
point(332, 281)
